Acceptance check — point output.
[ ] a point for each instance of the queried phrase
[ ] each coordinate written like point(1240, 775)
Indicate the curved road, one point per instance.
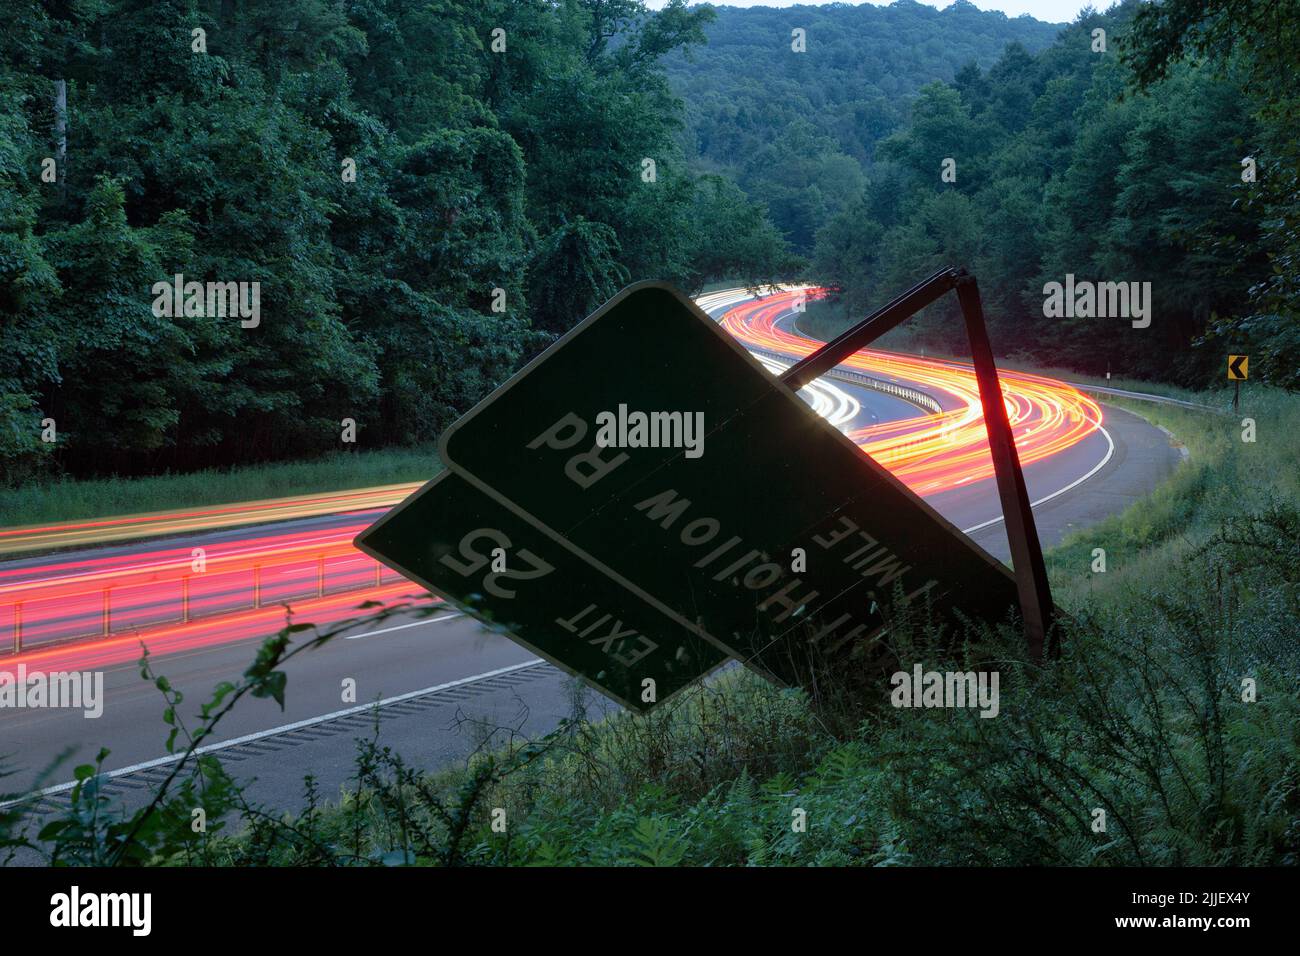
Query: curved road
point(457, 682)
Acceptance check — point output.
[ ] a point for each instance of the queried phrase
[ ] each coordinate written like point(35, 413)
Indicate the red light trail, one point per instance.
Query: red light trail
point(92, 612)
point(935, 452)
point(182, 598)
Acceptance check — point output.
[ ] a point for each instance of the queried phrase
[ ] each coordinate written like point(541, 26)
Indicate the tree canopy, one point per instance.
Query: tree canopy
point(1074, 162)
point(424, 190)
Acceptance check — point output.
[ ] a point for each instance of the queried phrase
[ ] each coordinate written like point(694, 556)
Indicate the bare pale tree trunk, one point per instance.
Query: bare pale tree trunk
point(61, 134)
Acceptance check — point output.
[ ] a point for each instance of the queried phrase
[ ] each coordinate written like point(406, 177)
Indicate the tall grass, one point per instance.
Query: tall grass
point(1223, 478)
point(1166, 732)
point(70, 499)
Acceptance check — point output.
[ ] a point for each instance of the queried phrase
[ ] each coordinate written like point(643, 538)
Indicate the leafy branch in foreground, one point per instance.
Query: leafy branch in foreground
point(197, 788)
point(188, 819)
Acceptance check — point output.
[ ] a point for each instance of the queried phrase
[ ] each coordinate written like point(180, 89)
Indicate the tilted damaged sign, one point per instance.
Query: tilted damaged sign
point(547, 599)
point(710, 540)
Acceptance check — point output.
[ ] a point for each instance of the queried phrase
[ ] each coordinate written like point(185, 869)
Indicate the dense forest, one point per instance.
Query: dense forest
point(1154, 143)
point(426, 191)
point(795, 120)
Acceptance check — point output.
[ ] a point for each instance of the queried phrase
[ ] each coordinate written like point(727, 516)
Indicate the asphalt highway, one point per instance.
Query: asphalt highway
point(447, 683)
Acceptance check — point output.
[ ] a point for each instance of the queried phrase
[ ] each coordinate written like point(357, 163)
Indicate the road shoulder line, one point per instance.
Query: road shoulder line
point(169, 759)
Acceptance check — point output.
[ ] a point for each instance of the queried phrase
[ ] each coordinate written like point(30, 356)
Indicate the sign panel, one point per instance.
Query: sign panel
point(1238, 368)
point(649, 443)
point(446, 536)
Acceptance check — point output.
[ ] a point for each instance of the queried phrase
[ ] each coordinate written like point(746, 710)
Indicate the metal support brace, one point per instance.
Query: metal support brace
point(1032, 586)
point(1022, 535)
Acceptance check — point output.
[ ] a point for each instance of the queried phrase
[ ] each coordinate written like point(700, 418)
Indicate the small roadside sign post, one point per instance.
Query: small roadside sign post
point(1238, 372)
point(763, 533)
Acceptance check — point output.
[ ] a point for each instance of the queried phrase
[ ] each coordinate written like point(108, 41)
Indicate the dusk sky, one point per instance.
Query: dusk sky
point(1052, 11)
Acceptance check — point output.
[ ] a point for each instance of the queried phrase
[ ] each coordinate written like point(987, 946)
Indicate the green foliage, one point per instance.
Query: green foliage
point(497, 200)
point(1070, 161)
point(28, 290)
point(793, 128)
point(1259, 42)
point(733, 238)
point(66, 499)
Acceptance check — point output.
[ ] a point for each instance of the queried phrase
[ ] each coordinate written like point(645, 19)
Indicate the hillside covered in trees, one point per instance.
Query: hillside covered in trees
point(794, 118)
point(423, 191)
point(1112, 157)
point(426, 191)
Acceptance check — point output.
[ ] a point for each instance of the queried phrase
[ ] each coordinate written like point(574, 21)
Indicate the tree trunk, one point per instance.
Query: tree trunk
point(61, 134)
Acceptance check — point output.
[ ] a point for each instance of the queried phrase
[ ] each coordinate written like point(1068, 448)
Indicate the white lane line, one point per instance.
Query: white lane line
point(1183, 450)
point(1110, 451)
point(285, 728)
point(399, 627)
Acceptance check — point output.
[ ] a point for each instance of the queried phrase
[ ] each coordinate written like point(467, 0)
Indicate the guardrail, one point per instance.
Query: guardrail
point(915, 396)
point(181, 590)
point(1144, 397)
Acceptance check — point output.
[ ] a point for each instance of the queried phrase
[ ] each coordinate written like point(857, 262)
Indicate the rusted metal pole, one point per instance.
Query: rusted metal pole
point(1032, 586)
point(869, 329)
point(1022, 535)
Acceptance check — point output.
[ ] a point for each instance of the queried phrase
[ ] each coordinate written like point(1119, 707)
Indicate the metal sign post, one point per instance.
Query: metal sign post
point(1238, 371)
point(767, 535)
point(1022, 535)
point(1026, 552)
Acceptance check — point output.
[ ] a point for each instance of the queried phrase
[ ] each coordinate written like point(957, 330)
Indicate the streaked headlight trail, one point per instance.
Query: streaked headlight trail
point(932, 453)
point(95, 611)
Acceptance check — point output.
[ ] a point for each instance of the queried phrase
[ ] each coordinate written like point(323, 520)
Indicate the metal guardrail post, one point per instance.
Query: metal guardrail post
point(320, 576)
point(257, 586)
point(185, 599)
point(108, 624)
point(18, 627)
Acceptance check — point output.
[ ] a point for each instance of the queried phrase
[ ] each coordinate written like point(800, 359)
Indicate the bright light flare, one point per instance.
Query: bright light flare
point(180, 600)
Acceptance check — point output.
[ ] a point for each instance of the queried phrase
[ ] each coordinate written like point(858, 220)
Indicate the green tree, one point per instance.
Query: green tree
point(1261, 42)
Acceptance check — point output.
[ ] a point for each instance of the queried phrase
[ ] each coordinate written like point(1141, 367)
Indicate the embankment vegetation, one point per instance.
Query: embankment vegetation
point(1172, 709)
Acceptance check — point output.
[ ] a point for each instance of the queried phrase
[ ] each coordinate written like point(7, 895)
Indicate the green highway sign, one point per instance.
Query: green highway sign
point(652, 446)
point(468, 549)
